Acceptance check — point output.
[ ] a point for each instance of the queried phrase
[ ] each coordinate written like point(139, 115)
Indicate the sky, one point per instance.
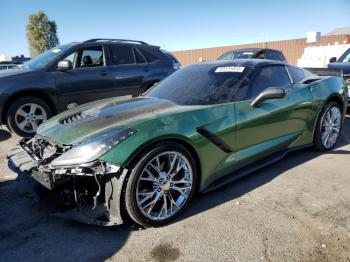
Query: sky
point(173, 25)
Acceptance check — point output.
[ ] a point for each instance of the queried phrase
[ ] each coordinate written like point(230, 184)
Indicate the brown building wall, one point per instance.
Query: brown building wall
point(292, 49)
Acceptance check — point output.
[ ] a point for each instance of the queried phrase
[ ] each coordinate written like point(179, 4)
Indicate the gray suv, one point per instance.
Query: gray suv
point(77, 73)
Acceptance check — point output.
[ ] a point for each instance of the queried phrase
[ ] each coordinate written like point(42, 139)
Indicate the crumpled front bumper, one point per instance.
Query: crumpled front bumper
point(21, 160)
point(103, 211)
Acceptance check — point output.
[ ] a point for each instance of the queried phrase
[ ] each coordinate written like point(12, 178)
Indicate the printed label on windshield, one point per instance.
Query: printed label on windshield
point(230, 69)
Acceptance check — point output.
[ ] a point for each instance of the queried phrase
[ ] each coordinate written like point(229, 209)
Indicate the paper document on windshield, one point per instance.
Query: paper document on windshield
point(230, 69)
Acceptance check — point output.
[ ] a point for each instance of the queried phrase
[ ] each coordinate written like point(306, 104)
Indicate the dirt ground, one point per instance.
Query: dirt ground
point(295, 210)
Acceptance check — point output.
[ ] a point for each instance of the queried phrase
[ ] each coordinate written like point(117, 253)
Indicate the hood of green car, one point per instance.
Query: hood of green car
point(75, 125)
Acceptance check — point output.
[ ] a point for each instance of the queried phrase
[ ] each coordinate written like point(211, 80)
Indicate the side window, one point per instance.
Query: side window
point(295, 73)
point(346, 59)
point(269, 76)
point(122, 55)
point(260, 55)
point(91, 56)
point(149, 57)
point(139, 57)
point(281, 55)
point(227, 56)
point(272, 55)
point(72, 58)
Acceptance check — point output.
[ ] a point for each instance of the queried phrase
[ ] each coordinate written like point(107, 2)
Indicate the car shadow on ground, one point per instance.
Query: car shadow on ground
point(4, 135)
point(29, 229)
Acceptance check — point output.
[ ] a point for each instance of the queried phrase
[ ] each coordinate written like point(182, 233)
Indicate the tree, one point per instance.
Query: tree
point(41, 33)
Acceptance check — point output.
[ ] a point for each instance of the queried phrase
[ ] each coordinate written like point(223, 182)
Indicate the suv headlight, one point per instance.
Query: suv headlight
point(92, 148)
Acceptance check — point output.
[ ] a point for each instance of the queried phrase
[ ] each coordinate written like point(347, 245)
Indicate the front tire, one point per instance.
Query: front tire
point(161, 184)
point(328, 127)
point(25, 115)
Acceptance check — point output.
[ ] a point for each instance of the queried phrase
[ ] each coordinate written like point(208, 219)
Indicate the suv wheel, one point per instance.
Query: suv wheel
point(25, 115)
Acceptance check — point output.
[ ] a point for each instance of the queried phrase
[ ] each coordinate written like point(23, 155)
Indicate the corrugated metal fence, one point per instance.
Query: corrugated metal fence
point(292, 49)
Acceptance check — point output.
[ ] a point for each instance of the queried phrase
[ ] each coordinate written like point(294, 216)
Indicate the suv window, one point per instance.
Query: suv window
point(150, 57)
point(274, 55)
point(172, 58)
point(295, 73)
point(260, 55)
point(281, 55)
point(91, 56)
point(71, 57)
point(140, 59)
point(227, 56)
point(269, 76)
point(122, 55)
point(346, 58)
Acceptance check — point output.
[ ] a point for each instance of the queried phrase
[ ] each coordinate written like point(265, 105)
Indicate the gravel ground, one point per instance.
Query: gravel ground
point(295, 210)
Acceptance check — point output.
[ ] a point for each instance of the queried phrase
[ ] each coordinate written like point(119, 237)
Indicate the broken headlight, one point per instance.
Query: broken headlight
point(92, 148)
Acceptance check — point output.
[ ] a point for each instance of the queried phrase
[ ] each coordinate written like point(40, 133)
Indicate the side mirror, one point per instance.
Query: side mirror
point(64, 65)
point(269, 93)
point(333, 60)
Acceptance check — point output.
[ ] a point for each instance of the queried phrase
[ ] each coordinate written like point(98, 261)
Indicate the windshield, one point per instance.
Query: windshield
point(202, 84)
point(236, 55)
point(43, 59)
point(345, 58)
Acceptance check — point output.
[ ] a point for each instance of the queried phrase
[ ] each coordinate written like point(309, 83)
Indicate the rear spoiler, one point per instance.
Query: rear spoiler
point(325, 71)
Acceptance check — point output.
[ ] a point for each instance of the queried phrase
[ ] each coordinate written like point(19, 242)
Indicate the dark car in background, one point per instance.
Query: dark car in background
point(342, 64)
point(260, 53)
point(77, 73)
point(336, 67)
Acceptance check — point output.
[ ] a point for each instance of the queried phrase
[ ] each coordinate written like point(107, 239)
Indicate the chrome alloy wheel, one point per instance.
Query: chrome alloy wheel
point(164, 185)
point(330, 128)
point(29, 116)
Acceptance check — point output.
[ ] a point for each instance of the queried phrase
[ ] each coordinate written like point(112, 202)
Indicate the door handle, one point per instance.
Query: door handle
point(146, 68)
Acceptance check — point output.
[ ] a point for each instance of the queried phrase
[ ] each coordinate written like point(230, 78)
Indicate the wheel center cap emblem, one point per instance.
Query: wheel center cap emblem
point(164, 182)
point(165, 186)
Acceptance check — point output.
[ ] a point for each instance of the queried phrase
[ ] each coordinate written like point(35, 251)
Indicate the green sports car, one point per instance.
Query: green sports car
point(205, 125)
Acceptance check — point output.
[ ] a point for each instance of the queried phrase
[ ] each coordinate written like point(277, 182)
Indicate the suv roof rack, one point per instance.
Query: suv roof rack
point(114, 40)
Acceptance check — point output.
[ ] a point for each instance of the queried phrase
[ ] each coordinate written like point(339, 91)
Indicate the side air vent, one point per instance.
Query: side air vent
point(309, 81)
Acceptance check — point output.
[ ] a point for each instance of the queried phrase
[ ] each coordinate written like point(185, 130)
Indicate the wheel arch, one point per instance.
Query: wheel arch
point(335, 98)
point(33, 93)
point(176, 139)
point(332, 98)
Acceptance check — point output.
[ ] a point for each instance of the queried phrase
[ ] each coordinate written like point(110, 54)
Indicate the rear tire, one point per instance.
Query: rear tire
point(328, 127)
point(25, 114)
point(154, 198)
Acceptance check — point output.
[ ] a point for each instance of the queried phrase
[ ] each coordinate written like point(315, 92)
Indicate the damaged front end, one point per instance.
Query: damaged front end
point(93, 185)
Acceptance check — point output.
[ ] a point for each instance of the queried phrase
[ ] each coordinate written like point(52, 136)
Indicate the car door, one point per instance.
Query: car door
point(88, 80)
point(277, 123)
point(128, 70)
